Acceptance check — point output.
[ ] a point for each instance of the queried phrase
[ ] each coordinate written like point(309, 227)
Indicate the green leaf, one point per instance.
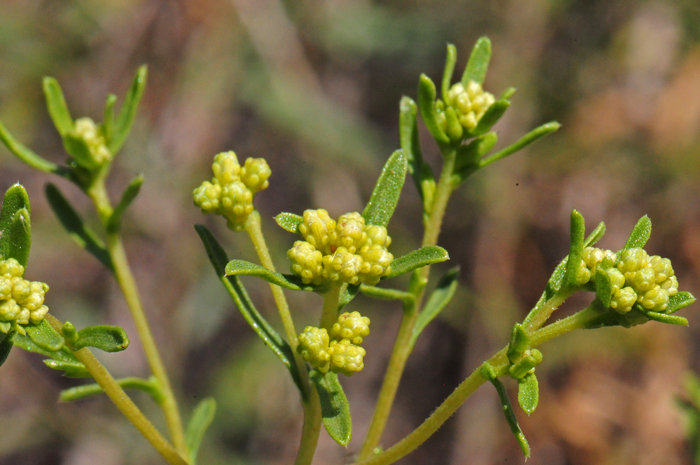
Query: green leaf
point(426, 105)
point(528, 393)
point(347, 295)
point(663, 317)
point(44, 336)
point(56, 104)
point(5, 346)
point(383, 293)
point(218, 259)
point(410, 144)
point(80, 151)
point(441, 296)
point(478, 62)
point(122, 126)
point(62, 359)
point(289, 222)
point(491, 117)
point(103, 337)
point(25, 154)
point(149, 386)
point(287, 281)
point(419, 258)
point(524, 141)
point(519, 343)
point(387, 191)
point(450, 62)
point(603, 287)
point(132, 190)
point(202, 417)
point(468, 155)
point(73, 224)
point(507, 93)
point(335, 409)
point(108, 123)
point(595, 235)
point(679, 301)
point(640, 234)
point(15, 225)
point(578, 229)
point(70, 369)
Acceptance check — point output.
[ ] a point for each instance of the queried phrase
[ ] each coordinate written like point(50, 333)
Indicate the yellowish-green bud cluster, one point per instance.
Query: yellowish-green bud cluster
point(343, 251)
point(230, 192)
point(636, 278)
point(463, 108)
point(86, 129)
point(21, 301)
point(341, 352)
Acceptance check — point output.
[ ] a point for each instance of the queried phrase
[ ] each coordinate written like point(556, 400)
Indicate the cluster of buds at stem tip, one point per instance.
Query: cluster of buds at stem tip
point(340, 351)
point(92, 135)
point(635, 277)
point(231, 190)
point(462, 109)
point(21, 301)
point(343, 251)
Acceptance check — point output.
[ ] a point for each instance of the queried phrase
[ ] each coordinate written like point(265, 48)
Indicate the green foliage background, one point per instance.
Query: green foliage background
point(314, 87)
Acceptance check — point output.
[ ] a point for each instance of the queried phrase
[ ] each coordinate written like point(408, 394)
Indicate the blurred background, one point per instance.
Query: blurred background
point(314, 86)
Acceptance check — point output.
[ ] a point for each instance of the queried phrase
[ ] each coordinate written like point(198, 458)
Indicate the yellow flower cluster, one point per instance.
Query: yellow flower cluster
point(21, 301)
point(340, 352)
point(463, 108)
point(346, 251)
point(86, 129)
point(231, 190)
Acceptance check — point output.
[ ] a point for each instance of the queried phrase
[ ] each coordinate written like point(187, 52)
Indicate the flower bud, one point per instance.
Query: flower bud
point(307, 262)
point(38, 315)
point(623, 299)
point(346, 357)
point(632, 260)
point(207, 196)
point(641, 280)
point(11, 268)
point(583, 274)
point(86, 129)
point(670, 285)
point(342, 266)
point(9, 310)
point(351, 326)
point(469, 105)
point(377, 263)
point(236, 203)
point(226, 168)
point(376, 235)
point(349, 232)
point(617, 279)
point(254, 174)
point(21, 289)
point(655, 299)
point(313, 347)
point(316, 228)
point(662, 268)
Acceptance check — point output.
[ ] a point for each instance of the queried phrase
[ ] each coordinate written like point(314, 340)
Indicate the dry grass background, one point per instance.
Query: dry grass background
point(313, 86)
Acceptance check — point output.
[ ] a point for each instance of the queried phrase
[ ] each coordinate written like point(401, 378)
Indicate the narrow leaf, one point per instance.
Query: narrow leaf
point(73, 224)
point(335, 409)
point(132, 190)
point(478, 62)
point(62, 359)
point(387, 191)
point(508, 411)
point(519, 343)
point(640, 234)
point(79, 150)
point(603, 287)
point(202, 417)
point(507, 93)
point(426, 105)
point(70, 369)
point(578, 229)
point(419, 258)
point(287, 281)
point(664, 318)
point(524, 141)
point(103, 337)
point(441, 296)
point(289, 222)
point(490, 118)
point(44, 336)
point(679, 301)
point(108, 123)
point(148, 386)
point(56, 104)
point(410, 144)
point(218, 259)
point(15, 227)
point(384, 293)
point(595, 235)
point(347, 295)
point(128, 110)
point(25, 154)
point(528, 393)
point(5, 346)
point(450, 62)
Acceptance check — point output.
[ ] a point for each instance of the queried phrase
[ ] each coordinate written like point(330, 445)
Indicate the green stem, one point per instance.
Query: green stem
point(127, 283)
point(540, 316)
point(123, 402)
point(329, 313)
point(402, 347)
point(310, 402)
point(579, 320)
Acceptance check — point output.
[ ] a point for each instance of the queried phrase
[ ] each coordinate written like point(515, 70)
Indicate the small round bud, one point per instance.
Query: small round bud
point(254, 174)
point(9, 310)
point(583, 274)
point(207, 196)
point(23, 317)
point(313, 347)
point(36, 298)
point(342, 266)
point(346, 357)
point(376, 235)
point(623, 299)
point(641, 280)
point(632, 260)
point(377, 263)
point(349, 232)
point(226, 168)
point(655, 299)
point(307, 262)
point(5, 288)
point(617, 279)
point(316, 228)
point(351, 326)
point(662, 268)
point(469, 105)
point(670, 285)
point(21, 289)
point(37, 315)
point(236, 203)
point(86, 129)
point(11, 268)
